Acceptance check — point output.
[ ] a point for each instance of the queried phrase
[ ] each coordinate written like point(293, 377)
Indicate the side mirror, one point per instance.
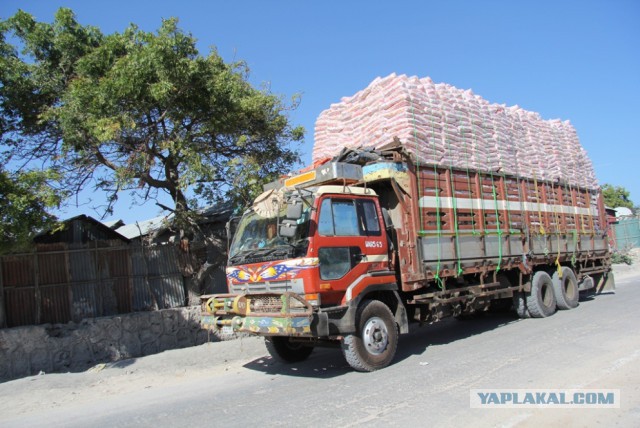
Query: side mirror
point(288, 228)
point(294, 209)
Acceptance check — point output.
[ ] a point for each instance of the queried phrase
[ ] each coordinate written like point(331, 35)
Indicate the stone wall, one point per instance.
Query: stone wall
point(47, 348)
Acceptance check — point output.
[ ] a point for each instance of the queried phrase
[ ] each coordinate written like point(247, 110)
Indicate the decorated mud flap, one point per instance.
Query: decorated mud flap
point(276, 314)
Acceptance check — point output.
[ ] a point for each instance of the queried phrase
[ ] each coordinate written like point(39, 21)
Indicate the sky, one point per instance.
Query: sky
point(576, 60)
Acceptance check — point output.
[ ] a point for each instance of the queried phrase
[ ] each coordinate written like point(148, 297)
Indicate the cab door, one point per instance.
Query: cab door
point(350, 243)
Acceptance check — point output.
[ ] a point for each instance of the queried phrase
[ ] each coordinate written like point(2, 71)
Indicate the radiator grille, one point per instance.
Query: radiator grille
point(266, 304)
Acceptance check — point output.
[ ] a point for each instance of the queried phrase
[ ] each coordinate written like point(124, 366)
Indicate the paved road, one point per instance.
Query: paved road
point(234, 383)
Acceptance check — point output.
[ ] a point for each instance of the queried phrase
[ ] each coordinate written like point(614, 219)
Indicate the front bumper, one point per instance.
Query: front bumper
point(266, 314)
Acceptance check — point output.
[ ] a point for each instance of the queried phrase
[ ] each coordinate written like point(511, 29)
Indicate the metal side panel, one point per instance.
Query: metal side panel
point(515, 244)
point(557, 244)
point(572, 244)
point(586, 242)
point(496, 246)
point(471, 247)
point(600, 243)
point(539, 244)
point(434, 248)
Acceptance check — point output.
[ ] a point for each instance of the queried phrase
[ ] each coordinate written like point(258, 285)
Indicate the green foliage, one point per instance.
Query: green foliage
point(616, 196)
point(24, 199)
point(141, 112)
point(621, 258)
point(34, 78)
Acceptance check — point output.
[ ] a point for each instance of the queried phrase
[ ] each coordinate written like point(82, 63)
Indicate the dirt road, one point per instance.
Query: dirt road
point(234, 383)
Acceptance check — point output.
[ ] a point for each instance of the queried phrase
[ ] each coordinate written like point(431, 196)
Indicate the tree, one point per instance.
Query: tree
point(24, 200)
point(616, 196)
point(140, 112)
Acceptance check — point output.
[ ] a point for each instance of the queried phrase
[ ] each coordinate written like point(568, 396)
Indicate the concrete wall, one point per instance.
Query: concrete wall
point(47, 348)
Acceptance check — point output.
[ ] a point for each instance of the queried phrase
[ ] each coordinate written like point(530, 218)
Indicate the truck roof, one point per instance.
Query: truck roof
point(348, 190)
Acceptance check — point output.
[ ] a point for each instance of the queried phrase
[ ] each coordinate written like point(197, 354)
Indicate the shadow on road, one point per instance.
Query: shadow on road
point(324, 363)
point(329, 362)
point(448, 331)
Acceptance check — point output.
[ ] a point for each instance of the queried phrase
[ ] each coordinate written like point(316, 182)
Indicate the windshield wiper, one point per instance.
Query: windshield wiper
point(252, 255)
point(240, 255)
point(282, 249)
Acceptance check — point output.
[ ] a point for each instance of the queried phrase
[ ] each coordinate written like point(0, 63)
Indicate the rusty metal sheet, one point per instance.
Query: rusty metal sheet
point(143, 298)
point(17, 270)
point(122, 291)
point(158, 282)
point(84, 303)
point(54, 304)
point(59, 282)
point(20, 306)
point(168, 290)
point(52, 268)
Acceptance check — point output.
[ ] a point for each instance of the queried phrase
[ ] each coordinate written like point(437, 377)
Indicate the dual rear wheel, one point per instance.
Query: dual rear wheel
point(548, 294)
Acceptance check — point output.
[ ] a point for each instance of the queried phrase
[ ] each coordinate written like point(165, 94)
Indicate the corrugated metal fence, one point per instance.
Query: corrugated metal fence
point(59, 283)
point(628, 233)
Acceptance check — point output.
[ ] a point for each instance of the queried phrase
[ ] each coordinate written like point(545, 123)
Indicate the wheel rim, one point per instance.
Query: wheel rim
point(375, 336)
point(570, 289)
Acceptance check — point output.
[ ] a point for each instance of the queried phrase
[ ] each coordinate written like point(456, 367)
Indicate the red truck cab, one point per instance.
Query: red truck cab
point(300, 258)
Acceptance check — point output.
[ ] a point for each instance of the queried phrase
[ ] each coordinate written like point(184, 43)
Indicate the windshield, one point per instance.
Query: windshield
point(257, 238)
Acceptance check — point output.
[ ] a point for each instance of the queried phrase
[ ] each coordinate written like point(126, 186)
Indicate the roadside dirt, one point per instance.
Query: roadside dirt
point(170, 367)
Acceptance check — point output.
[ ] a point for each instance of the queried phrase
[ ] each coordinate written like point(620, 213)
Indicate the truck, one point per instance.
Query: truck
point(349, 252)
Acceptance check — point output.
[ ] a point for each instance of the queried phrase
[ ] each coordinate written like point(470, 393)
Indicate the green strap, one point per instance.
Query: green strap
point(495, 200)
point(455, 208)
point(438, 222)
point(498, 226)
point(575, 223)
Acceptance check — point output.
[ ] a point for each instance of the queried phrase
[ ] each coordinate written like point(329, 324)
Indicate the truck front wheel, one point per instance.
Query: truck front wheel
point(376, 340)
point(283, 349)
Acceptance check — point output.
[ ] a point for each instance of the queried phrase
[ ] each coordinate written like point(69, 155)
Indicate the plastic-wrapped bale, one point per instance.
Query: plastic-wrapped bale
point(441, 124)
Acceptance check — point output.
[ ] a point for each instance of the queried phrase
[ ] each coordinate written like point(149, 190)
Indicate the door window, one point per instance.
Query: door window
point(346, 217)
point(335, 262)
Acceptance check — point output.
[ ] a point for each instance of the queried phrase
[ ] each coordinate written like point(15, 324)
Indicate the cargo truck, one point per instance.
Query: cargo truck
point(349, 252)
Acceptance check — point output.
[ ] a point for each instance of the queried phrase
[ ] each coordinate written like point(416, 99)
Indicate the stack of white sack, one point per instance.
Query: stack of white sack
point(443, 125)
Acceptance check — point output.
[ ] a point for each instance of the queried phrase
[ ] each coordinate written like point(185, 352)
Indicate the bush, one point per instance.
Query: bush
point(619, 258)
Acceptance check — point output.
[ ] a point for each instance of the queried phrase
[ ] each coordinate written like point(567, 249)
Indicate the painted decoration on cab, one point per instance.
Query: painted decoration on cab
point(271, 271)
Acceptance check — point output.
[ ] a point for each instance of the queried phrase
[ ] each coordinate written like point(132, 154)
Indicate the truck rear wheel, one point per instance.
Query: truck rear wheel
point(376, 340)
point(541, 301)
point(283, 349)
point(566, 289)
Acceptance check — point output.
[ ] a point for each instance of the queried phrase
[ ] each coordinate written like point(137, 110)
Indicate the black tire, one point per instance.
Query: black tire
point(566, 289)
point(541, 301)
point(376, 340)
point(283, 349)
